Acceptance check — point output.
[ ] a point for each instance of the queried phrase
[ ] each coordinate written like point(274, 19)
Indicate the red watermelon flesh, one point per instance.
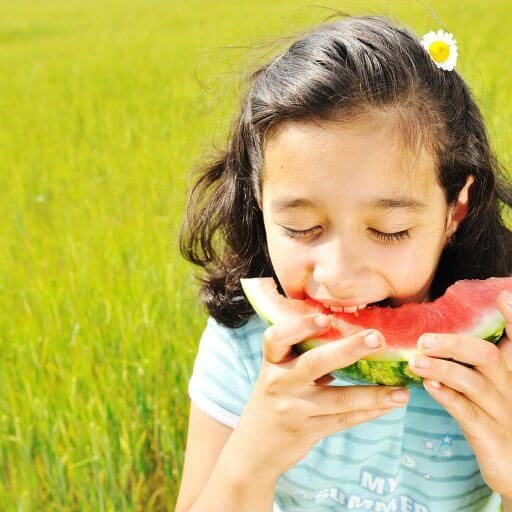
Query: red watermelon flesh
point(468, 307)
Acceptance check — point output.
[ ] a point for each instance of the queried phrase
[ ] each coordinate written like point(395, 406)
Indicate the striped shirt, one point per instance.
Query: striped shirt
point(412, 459)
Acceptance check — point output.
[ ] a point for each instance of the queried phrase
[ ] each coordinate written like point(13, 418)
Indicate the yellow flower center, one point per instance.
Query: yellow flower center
point(439, 50)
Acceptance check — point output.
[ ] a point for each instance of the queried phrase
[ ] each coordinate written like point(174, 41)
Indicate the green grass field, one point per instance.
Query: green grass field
point(106, 106)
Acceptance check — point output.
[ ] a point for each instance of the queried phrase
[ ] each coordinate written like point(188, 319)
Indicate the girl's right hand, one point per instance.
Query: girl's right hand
point(289, 410)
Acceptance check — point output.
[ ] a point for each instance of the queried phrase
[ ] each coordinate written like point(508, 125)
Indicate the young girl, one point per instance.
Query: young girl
point(358, 170)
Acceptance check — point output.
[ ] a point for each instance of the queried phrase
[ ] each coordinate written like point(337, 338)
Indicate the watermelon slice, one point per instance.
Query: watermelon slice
point(468, 307)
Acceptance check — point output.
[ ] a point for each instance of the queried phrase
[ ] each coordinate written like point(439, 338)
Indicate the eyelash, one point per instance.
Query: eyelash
point(386, 237)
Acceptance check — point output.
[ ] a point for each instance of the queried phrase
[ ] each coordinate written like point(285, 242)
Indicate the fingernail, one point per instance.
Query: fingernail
point(427, 341)
point(372, 340)
point(435, 384)
point(322, 320)
point(509, 299)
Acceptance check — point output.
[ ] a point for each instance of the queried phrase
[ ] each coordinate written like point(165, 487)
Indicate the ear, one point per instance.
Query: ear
point(457, 212)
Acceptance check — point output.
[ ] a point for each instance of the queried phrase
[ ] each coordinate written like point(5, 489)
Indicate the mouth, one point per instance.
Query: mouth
point(381, 304)
point(355, 309)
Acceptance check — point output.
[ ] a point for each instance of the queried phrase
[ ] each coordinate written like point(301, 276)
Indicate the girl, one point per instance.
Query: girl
point(358, 170)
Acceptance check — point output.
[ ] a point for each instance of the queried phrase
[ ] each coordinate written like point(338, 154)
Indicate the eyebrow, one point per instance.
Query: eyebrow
point(379, 203)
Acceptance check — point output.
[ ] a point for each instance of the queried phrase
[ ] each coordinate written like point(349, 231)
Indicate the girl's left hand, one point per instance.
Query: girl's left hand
point(479, 398)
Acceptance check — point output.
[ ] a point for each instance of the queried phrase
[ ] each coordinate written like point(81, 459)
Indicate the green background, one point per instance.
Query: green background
point(105, 108)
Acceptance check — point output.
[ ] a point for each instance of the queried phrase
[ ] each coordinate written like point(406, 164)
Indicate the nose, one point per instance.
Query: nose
point(340, 267)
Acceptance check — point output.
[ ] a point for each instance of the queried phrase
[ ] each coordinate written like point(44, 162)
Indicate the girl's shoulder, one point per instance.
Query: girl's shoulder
point(225, 369)
point(246, 340)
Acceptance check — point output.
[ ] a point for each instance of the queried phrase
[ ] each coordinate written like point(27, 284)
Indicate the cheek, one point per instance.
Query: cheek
point(290, 266)
point(415, 265)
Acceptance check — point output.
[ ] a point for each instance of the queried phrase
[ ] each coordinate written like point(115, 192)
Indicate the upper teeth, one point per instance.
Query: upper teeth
point(347, 309)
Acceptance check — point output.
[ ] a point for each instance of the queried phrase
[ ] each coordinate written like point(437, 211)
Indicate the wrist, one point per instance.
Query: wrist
point(244, 464)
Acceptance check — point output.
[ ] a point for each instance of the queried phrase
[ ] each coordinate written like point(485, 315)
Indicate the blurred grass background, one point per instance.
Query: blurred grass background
point(105, 108)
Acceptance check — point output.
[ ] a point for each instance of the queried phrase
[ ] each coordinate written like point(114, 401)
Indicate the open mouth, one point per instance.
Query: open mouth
point(381, 304)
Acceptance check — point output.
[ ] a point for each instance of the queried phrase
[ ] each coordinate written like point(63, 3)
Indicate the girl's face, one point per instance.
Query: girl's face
point(348, 222)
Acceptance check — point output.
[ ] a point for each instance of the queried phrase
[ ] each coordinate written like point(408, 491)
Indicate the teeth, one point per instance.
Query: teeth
point(347, 309)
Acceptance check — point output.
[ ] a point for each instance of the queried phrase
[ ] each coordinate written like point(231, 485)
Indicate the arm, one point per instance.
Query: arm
point(217, 474)
point(232, 488)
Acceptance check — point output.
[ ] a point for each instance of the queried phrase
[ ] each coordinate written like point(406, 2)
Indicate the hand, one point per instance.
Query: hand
point(479, 398)
point(290, 408)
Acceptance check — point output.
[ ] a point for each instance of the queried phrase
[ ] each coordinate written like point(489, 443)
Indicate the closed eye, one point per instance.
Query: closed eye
point(386, 237)
point(389, 237)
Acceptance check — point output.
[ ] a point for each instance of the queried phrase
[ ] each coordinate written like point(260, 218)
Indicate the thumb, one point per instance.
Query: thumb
point(505, 345)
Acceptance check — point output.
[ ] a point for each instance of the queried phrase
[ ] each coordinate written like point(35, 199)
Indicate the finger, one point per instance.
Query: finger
point(504, 302)
point(505, 345)
point(473, 420)
point(332, 355)
point(467, 381)
point(505, 348)
point(330, 424)
point(481, 354)
point(278, 339)
point(337, 399)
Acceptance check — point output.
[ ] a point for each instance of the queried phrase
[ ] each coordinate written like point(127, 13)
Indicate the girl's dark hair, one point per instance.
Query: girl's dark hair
point(338, 72)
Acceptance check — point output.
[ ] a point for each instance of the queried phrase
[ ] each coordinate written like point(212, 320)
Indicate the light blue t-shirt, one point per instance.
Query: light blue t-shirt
point(413, 459)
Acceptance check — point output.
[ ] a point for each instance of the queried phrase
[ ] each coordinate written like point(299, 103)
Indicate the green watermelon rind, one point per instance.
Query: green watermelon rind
point(388, 373)
point(490, 327)
point(393, 369)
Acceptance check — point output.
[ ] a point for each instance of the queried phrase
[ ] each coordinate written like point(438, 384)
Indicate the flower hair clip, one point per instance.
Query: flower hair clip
point(442, 48)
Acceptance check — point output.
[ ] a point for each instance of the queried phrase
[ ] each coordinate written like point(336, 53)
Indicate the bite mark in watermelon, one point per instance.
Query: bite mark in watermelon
point(468, 307)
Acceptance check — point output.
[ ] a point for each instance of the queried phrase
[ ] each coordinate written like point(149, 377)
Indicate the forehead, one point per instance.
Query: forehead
point(352, 161)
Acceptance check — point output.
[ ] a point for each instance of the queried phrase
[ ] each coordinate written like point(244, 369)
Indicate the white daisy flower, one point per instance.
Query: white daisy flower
point(442, 48)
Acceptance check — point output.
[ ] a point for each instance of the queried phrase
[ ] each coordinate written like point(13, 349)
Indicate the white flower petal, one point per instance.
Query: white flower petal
point(446, 37)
